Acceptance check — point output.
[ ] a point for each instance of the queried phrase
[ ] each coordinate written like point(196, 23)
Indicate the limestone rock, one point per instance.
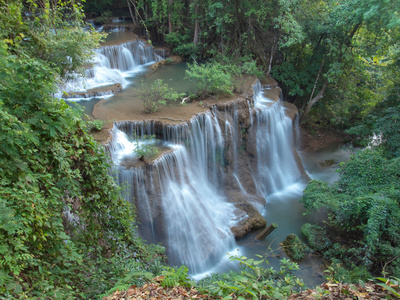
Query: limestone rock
point(99, 91)
point(250, 220)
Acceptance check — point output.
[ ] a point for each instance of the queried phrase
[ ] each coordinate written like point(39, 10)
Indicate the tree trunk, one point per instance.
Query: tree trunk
point(196, 26)
point(313, 91)
point(170, 4)
point(266, 232)
point(271, 56)
point(314, 100)
point(130, 11)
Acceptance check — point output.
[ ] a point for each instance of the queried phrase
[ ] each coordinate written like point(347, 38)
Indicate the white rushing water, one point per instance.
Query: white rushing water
point(181, 197)
point(273, 130)
point(110, 65)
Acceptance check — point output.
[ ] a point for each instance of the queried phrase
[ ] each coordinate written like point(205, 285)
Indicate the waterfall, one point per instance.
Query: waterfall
point(110, 65)
point(276, 165)
point(182, 197)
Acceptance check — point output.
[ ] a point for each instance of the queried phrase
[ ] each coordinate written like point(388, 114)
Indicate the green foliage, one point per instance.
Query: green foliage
point(364, 210)
point(94, 125)
point(254, 281)
point(209, 79)
point(242, 71)
point(390, 284)
point(338, 52)
point(176, 277)
point(316, 237)
point(317, 195)
point(96, 8)
point(336, 272)
point(104, 17)
point(62, 218)
point(158, 93)
point(55, 34)
point(382, 121)
point(182, 44)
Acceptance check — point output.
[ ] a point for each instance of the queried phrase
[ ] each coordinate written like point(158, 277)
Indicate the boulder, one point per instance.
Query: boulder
point(294, 247)
point(326, 163)
point(249, 219)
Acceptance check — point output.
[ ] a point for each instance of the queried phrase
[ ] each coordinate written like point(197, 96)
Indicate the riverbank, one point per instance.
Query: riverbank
point(313, 140)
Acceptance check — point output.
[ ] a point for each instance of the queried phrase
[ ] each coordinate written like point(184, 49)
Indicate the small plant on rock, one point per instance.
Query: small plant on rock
point(145, 147)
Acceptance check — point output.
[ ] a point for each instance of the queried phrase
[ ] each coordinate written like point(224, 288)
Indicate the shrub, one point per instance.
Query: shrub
point(156, 94)
point(363, 210)
point(254, 281)
point(145, 147)
point(95, 125)
point(316, 237)
point(210, 79)
point(176, 277)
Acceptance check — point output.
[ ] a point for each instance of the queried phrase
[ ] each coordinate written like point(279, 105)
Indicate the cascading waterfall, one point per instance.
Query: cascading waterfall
point(108, 65)
point(181, 196)
point(276, 165)
point(128, 55)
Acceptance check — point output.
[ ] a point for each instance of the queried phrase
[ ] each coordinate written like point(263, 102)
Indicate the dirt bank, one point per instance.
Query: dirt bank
point(316, 139)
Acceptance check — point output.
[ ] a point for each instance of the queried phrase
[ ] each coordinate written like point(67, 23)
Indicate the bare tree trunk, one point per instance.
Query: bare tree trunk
point(271, 56)
point(196, 26)
point(130, 11)
point(170, 4)
point(314, 100)
point(313, 91)
point(316, 80)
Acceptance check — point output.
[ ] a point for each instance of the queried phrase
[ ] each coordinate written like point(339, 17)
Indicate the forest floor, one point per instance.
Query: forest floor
point(328, 290)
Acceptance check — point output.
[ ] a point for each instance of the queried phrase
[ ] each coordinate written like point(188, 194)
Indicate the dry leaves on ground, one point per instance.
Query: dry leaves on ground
point(346, 291)
point(326, 291)
point(154, 290)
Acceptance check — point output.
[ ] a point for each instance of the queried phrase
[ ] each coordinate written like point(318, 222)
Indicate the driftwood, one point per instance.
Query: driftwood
point(266, 232)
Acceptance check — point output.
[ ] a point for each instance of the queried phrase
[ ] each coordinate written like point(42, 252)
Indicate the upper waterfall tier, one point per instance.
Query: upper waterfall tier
point(218, 166)
point(109, 66)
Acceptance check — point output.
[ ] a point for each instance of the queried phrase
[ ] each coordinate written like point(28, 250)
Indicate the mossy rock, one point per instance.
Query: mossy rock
point(294, 247)
point(316, 237)
point(327, 163)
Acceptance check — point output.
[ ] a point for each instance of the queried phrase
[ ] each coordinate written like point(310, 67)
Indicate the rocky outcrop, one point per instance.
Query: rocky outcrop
point(249, 219)
point(170, 60)
point(95, 92)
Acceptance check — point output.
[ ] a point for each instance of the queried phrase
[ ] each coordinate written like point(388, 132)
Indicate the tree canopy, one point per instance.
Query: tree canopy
point(333, 50)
